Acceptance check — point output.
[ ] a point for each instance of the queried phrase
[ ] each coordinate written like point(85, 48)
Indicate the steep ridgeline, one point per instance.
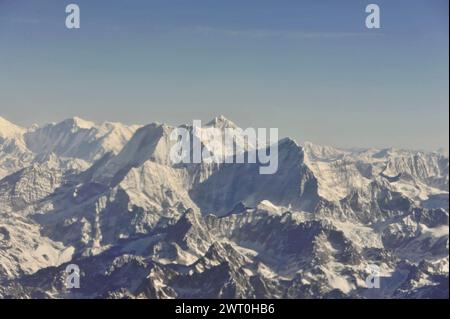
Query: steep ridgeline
point(73, 138)
point(109, 199)
point(14, 154)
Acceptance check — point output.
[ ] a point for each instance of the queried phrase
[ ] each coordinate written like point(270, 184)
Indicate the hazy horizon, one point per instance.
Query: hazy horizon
point(310, 68)
point(444, 149)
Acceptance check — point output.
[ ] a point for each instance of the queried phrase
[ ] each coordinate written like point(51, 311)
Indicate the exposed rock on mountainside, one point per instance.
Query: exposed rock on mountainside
point(108, 199)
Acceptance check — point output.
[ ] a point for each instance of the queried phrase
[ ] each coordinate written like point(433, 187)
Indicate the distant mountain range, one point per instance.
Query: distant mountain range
point(107, 198)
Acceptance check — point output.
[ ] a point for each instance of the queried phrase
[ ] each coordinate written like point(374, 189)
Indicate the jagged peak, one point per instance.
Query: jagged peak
point(154, 125)
point(221, 122)
point(149, 134)
point(79, 122)
point(288, 142)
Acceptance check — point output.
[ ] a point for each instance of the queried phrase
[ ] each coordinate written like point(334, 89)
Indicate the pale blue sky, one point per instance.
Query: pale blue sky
point(310, 68)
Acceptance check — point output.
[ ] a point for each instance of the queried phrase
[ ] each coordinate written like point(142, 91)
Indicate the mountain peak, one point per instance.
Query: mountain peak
point(221, 122)
point(79, 122)
point(288, 142)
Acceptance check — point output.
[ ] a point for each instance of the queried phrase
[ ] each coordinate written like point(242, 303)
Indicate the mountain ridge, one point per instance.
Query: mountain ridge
point(147, 228)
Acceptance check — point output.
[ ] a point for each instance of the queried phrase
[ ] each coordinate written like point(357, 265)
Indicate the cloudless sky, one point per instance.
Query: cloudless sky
point(310, 68)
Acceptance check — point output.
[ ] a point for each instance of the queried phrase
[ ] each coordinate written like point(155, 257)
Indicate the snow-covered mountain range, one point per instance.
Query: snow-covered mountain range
point(107, 198)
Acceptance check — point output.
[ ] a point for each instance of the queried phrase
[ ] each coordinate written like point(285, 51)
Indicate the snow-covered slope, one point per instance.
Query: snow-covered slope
point(14, 154)
point(107, 198)
point(72, 138)
point(23, 249)
point(417, 175)
point(9, 130)
point(79, 138)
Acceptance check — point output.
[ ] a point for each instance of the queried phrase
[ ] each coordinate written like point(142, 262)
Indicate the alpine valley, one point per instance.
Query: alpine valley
point(107, 198)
